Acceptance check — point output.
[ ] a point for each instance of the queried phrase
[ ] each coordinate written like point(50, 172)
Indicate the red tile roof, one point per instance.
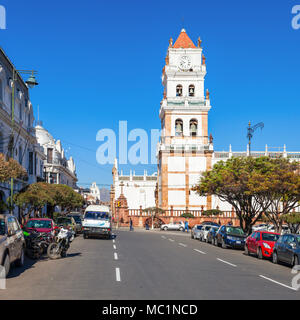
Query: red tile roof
point(184, 41)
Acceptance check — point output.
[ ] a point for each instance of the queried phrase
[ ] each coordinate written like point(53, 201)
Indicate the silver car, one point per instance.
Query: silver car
point(195, 233)
point(12, 242)
point(176, 226)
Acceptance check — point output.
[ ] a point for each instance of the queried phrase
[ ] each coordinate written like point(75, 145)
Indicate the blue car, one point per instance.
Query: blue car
point(229, 236)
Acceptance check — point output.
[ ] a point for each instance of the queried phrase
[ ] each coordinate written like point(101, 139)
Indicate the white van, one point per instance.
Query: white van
point(97, 222)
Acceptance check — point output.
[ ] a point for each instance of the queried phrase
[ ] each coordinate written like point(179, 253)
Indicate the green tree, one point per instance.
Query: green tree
point(282, 190)
point(292, 220)
point(33, 198)
point(10, 168)
point(66, 197)
point(240, 182)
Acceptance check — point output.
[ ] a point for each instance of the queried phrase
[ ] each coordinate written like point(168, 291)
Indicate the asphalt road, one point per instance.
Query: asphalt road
point(149, 265)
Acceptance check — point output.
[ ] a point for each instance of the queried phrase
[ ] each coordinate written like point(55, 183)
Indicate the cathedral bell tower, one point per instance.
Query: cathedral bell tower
point(185, 149)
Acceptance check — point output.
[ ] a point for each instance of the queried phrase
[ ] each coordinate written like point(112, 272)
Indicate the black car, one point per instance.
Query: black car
point(230, 236)
point(287, 249)
point(78, 220)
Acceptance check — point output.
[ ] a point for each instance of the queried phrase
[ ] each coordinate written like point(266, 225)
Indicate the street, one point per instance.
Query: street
point(147, 266)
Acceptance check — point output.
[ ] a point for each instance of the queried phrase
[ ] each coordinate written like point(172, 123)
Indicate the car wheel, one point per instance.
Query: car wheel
point(6, 265)
point(20, 261)
point(247, 251)
point(192, 236)
point(259, 253)
point(165, 229)
point(206, 240)
point(215, 242)
point(224, 244)
point(181, 229)
point(85, 236)
point(295, 261)
point(275, 257)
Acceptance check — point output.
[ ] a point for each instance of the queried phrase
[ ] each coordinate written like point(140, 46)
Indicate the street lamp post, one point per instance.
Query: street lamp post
point(31, 82)
point(251, 130)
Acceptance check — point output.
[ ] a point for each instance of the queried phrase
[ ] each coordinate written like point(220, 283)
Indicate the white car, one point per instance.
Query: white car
point(285, 229)
point(203, 232)
point(260, 227)
point(176, 226)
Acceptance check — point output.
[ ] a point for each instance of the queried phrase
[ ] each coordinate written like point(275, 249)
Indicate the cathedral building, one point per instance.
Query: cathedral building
point(186, 147)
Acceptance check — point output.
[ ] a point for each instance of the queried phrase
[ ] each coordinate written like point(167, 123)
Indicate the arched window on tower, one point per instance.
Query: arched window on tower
point(179, 128)
point(193, 128)
point(191, 90)
point(179, 91)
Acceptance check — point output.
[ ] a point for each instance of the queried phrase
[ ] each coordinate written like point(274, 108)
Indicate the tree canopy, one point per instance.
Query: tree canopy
point(10, 168)
point(253, 186)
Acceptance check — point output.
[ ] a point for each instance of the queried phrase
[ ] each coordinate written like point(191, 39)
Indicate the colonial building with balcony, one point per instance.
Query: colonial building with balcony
point(17, 136)
point(57, 168)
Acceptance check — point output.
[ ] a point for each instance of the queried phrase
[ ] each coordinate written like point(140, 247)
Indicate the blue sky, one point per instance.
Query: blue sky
point(100, 62)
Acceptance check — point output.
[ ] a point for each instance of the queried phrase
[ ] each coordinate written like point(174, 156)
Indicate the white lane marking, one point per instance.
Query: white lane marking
point(183, 245)
point(115, 247)
point(114, 241)
point(199, 251)
point(163, 237)
point(233, 265)
point(116, 256)
point(171, 240)
point(281, 284)
point(118, 275)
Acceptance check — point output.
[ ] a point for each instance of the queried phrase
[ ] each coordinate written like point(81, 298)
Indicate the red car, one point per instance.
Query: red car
point(261, 243)
point(40, 225)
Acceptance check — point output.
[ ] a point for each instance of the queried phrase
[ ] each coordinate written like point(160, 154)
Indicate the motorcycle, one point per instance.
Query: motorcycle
point(61, 244)
point(36, 243)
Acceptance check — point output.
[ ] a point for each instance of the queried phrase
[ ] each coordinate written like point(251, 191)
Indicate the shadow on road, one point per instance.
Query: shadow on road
point(17, 271)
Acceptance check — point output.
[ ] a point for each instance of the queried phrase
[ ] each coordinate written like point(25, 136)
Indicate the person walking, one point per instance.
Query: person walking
point(131, 225)
point(186, 226)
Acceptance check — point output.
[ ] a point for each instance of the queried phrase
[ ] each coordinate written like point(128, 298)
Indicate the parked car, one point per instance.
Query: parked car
point(210, 238)
point(287, 249)
point(262, 226)
point(204, 231)
point(67, 222)
point(261, 243)
point(40, 225)
point(177, 226)
point(195, 232)
point(78, 220)
point(285, 229)
point(12, 242)
point(230, 236)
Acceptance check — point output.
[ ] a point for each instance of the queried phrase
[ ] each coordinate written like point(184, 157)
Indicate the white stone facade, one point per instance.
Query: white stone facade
point(138, 190)
point(26, 149)
point(58, 169)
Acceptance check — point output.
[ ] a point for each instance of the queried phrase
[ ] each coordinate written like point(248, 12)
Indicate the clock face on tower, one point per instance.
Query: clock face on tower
point(185, 63)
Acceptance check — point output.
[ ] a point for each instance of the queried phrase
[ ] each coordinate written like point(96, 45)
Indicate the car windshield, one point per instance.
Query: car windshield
point(235, 230)
point(77, 219)
point(199, 227)
point(270, 237)
point(63, 221)
point(2, 227)
point(96, 215)
point(39, 224)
